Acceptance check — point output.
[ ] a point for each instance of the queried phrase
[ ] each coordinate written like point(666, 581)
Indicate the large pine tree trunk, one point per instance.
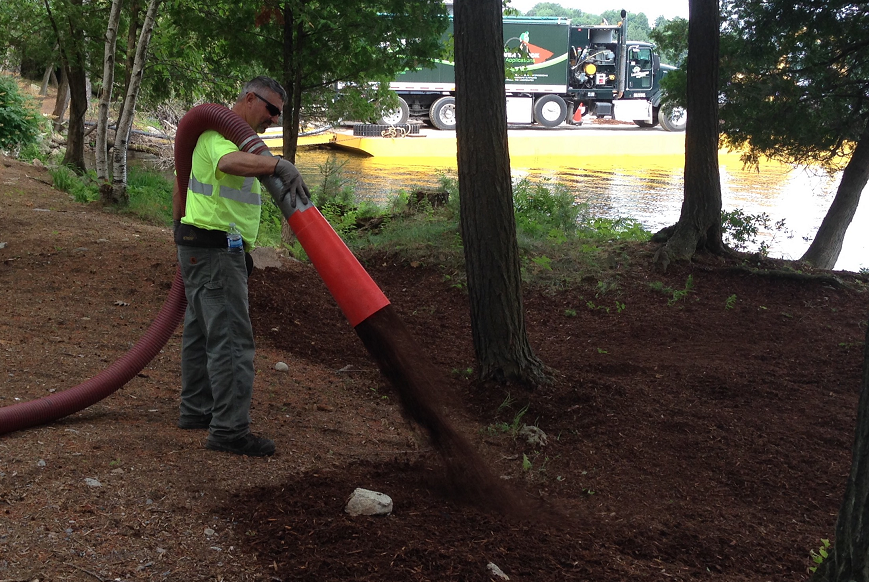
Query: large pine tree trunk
point(849, 560)
point(125, 124)
point(700, 225)
point(826, 246)
point(486, 201)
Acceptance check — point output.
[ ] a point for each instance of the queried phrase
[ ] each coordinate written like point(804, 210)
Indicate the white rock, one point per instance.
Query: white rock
point(282, 367)
point(92, 482)
point(534, 435)
point(496, 571)
point(365, 502)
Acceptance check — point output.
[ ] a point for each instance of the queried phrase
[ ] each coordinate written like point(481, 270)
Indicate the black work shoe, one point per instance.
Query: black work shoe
point(250, 445)
point(194, 422)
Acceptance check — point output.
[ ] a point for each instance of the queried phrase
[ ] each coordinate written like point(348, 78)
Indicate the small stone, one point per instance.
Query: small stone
point(92, 482)
point(282, 367)
point(365, 502)
point(534, 435)
point(496, 571)
point(209, 531)
point(40, 463)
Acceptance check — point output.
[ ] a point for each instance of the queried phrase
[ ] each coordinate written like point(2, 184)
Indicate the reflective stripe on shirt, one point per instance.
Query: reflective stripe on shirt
point(245, 195)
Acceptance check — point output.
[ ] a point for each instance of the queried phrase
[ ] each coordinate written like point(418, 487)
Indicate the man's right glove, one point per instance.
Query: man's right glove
point(292, 181)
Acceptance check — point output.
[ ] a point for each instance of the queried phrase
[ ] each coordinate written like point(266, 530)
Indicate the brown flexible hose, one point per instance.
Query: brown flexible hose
point(54, 406)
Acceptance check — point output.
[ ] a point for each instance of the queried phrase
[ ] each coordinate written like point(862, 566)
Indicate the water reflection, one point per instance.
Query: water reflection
point(648, 189)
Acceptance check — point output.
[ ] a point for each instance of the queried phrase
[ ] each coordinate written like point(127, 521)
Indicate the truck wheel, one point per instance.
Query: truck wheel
point(675, 121)
point(642, 123)
point(442, 114)
point(550, 110)
point(396, 116)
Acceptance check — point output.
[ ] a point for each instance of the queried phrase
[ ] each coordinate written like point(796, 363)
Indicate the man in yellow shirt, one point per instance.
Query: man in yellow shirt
point(217, 353)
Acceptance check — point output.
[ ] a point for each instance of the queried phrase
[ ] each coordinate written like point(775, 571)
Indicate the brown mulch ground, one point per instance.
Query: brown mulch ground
point(685, 442)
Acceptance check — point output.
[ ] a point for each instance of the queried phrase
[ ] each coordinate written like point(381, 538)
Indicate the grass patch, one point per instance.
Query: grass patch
point(560, 242)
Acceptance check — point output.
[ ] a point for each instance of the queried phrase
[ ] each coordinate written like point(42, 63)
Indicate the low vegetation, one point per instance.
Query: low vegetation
point(561, 243)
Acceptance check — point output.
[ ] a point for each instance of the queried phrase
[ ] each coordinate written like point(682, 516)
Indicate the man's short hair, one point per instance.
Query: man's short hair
point(263, 82)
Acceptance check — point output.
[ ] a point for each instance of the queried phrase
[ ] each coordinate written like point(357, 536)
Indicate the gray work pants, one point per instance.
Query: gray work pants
point(217, 350)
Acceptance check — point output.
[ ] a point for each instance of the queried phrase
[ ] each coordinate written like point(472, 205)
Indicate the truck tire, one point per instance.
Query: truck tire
point(442, 114)
point(644, 123)
point(550, 110)
point(675, 121)
point(397, 116)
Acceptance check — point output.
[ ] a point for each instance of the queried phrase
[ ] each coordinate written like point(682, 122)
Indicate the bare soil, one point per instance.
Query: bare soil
point(707, 439)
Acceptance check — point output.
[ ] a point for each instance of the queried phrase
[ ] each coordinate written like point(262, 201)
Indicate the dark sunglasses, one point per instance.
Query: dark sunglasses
point(273, 111)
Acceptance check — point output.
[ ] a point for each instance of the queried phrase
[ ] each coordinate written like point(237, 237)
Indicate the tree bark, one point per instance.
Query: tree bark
point(826, 246)
point(849, 560)
point(486, 201)
point(101, 154)
point(699, 226)
point(122, 133)
point(61, 102)
point(293, 34)
point(133, 31)
point(75, 141)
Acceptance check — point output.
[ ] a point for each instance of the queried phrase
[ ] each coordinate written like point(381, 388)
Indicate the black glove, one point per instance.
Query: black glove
point(293, 182)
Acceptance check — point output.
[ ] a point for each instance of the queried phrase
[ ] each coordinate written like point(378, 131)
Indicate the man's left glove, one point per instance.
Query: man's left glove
point(292, 181)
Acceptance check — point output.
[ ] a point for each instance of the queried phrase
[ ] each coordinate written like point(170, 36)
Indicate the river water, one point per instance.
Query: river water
point(646, 188)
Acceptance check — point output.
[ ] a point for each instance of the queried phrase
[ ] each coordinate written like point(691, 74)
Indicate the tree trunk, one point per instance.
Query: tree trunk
point(72, 59)
point(132, 37)
point(75, 141)
point(122, 133)
point(101, 154)
point(47, 77)
point(61, 102)
point(826, 246)
point(848, 560)
point(700, 223)
point(293, 34)
point(486, 201)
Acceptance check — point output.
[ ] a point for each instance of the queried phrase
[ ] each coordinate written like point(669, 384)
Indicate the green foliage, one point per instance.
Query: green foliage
point(794, 79)
point(527, 464)
point(671, 37)
point(541, 209)
point(819, 556)
point(513, 427)
point(731, 302)
point(638, 24)
point(84, 189)
point(213, 46)
point(20, 121)
point(740, 230)
point(675, 295)
point(150, 195)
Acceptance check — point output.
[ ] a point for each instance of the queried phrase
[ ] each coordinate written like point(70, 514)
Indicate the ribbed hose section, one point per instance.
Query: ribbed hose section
point(54, 406)
point(50, 408)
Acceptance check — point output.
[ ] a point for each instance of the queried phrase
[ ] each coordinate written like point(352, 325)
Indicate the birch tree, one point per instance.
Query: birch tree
point(101, 154)
point(122, 133)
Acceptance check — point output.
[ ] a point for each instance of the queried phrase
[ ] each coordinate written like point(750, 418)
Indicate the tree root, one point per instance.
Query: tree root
point(785, 274)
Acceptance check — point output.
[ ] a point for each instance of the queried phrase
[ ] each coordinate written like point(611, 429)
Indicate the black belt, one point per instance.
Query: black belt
point(193, 236)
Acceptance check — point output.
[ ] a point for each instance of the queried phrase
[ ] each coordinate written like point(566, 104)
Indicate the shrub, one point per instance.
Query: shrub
point(20, 121)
